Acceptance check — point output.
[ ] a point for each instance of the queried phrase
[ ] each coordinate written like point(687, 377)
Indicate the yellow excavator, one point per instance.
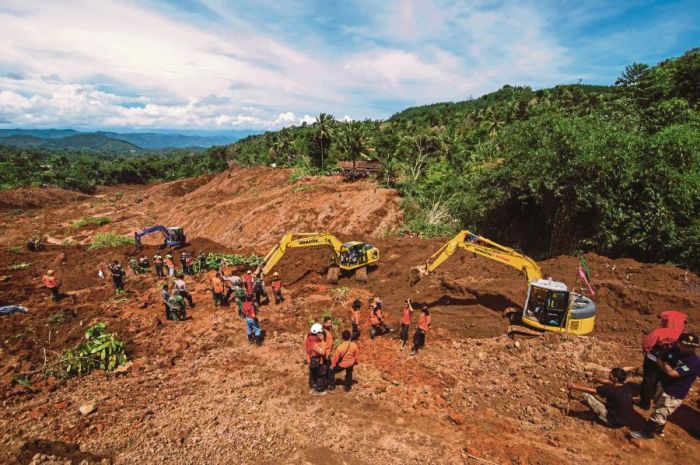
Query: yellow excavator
point(549, 305)
point(347, 256)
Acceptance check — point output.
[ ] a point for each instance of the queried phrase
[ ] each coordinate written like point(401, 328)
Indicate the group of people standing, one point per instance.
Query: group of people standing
point(325, 360)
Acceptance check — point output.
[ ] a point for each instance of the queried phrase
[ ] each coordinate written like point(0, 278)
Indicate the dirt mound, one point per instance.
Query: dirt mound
point(36, 197)
point(258, 206)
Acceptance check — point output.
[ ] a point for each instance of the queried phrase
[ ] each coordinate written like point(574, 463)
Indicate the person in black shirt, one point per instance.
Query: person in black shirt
point(617, 409)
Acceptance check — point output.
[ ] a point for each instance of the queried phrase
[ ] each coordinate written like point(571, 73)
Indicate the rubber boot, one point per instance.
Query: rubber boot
point(251, 339)
point(651, 429)
point(259, 340)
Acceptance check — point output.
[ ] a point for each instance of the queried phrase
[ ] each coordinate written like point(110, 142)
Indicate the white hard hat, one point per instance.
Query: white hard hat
point(316, 328)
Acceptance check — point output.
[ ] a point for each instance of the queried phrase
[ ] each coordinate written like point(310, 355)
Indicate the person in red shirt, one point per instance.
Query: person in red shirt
point(276, 286)
point(250, 312)
point(315, 356)
point(248, 282)
point(406, 321)
point(424, 322)
point(52, 284)
point(346, 356)
point(655, 343)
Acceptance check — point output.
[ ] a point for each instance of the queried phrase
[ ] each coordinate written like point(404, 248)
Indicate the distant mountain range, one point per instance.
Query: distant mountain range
point(113, 142)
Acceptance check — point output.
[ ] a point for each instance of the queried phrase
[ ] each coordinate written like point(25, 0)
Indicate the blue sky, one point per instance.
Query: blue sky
point(222, 65)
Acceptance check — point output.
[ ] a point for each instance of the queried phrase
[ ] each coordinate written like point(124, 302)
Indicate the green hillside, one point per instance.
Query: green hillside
point(611, 169)
point(92, 143)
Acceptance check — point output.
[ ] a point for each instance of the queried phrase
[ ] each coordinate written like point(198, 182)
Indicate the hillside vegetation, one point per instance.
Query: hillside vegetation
point(573, 168)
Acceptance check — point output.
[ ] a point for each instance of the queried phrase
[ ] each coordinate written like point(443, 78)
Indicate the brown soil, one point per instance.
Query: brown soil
point(197, 393)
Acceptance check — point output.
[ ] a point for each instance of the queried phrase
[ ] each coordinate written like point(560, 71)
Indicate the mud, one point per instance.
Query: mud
point(197, 393)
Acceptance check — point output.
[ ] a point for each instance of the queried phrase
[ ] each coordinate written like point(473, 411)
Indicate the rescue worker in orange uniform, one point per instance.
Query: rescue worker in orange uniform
point(376, 319)
point(424, 321)
point(406, 321)
point(168, 261)
point(277, 288)
point(355, 319)
point(217, 289)
point(346, 356)
point(315, 356)
point(52, 284)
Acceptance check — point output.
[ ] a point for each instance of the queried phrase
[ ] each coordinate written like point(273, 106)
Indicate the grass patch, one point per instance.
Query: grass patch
point(110, 239)
point(19, 266)
point(90, 221)
point(69, 243)
point(56, 318)
point(15, 249)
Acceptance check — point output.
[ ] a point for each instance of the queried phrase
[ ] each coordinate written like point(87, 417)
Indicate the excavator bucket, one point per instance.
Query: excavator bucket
point(333, 274)
point(417, 273)
point(361, 275)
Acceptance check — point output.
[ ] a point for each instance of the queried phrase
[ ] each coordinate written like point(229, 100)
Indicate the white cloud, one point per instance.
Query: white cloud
point(118, 63)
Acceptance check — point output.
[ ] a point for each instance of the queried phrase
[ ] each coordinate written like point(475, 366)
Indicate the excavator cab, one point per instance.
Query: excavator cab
point(551, 307)
point(357, 254)
point(175, 237)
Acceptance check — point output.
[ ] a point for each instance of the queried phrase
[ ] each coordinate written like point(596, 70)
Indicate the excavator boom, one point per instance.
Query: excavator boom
point(291, 240)
point(481, 246)
point(348, 257)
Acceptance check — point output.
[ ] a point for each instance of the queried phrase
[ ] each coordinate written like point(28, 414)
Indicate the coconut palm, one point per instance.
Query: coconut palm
point(324, 131)
point(353, 143)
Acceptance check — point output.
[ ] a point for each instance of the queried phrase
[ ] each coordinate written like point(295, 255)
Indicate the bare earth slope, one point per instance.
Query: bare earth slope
point(197, 393)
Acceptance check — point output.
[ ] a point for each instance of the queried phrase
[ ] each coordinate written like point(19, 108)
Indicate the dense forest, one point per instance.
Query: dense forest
point(610, 169)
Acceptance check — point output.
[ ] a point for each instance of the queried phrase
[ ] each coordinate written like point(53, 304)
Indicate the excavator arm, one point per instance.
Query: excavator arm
point(481, 246)
point(291, 241)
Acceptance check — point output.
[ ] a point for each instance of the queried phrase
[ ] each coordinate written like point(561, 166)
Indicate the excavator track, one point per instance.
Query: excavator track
point(333, 274)
point(361, 274)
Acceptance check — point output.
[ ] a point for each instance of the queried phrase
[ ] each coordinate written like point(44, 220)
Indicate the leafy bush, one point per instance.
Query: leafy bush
point(19, 266)
point(215, 259)
point(100, 350)
point(110, 239)
point(91, 221)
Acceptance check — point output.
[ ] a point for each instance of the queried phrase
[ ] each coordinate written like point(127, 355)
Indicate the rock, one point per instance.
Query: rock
point(457, 418)
point(36, 414)
point(88, 408)
point(124, 368)
point(61, 405)
point(400, 421)
point(517, 345)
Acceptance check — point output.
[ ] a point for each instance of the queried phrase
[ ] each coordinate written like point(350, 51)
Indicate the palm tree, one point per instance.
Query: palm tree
point(492, 121)
point(324, 131)
point(353, 143)
point(284, 145)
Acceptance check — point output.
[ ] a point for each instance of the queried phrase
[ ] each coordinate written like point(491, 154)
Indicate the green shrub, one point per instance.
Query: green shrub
point(99, 351)
point(15, 249)
point(91, 221)
point(110, 239)
point(56, 318)
point(214, 259)
point(19, 266)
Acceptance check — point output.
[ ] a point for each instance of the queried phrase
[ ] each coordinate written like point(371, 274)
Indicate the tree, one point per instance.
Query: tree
point(324, 131)
point(353, 143)
point(632, 74)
